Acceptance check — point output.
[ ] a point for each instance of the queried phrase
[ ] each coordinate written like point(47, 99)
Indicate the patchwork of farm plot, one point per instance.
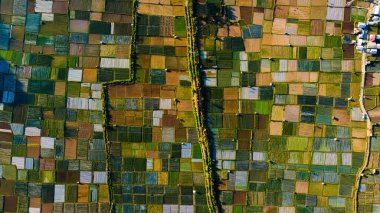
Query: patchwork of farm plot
point(283, 86)
point(368, 193)
point(155, 158)
point(54, 57)
point(281, 93)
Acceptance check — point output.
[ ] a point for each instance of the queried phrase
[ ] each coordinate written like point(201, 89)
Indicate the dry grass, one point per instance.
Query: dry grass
point(160, 10)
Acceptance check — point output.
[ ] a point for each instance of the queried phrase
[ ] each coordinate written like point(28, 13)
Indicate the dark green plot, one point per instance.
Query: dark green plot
point(180, 26)
point(98, 27)
point(157, 77)
point(307, 114)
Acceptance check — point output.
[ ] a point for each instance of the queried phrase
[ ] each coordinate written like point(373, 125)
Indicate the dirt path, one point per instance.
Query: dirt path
point(369, 123)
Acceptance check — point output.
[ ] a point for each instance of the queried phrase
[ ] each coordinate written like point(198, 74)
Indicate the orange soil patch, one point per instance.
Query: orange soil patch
point(316, 27)
point(172, 78)
point(159, 41)
point(181, 51)
point(231, 106)
point(318, 130)
point(302, 187)
point(252, 45)
point(299, 12)
point(167, 92)
point(272, 39)
point(275, 128)
point(144, 61)
point(297, 40)
point(60, 88)
point(247, 3)
point(235, 31)
point(281, 11)
point(70, 148)
point(263, 79)
point(295, 89)
point(231, 94)
point(89, 75)
point(358, 145)
point(33, 152)
point(182, 63)
point(359, 133)
point(258, 18)
point(47, 164)
point(306, 130)
point(161, 10)
point(156, 134)
point(122, 51)
point(157, 62)
point(185, 105)
point(83, 192)
point(279, 25)
point(169, 41)
point(343, 117)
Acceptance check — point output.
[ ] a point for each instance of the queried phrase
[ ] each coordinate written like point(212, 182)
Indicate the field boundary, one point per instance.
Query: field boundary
point(105, 99)
point(198, 109)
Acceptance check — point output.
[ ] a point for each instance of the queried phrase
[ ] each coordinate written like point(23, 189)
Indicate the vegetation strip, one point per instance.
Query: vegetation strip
point(194, 72)
point(106, 100)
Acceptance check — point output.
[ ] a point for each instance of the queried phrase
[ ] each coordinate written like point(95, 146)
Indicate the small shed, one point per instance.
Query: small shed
point(372, 51)
point(376, 10)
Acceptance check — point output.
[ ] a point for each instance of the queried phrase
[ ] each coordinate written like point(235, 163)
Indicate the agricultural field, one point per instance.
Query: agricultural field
point(282, 88)
point(368, 193)
point(155, 158)
point(54, 57)
point(147, 105)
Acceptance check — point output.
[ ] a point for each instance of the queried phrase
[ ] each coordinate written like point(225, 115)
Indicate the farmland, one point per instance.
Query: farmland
point(186, 106)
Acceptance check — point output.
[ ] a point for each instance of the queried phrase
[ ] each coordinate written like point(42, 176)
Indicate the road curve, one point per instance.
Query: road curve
point(368, 120)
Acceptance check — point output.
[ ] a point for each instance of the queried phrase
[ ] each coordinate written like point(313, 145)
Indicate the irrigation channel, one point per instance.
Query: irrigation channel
point(194, 72)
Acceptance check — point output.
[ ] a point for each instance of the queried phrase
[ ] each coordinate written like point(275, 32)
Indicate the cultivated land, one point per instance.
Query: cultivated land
point(198, 106)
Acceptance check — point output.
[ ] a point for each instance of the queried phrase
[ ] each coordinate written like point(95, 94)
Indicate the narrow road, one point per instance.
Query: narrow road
point(368, 120)
point(194, 73)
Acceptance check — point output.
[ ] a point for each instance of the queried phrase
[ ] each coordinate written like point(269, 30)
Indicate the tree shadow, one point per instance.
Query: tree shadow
point(12, 91)
point(219, 15)
point(13, 97)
